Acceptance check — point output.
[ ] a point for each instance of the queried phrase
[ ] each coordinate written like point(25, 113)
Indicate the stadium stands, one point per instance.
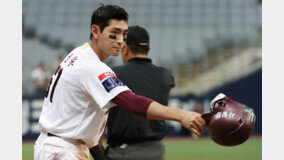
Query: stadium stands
point(184, 32)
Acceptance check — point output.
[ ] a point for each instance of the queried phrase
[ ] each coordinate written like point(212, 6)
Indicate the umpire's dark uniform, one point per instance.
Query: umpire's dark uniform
point(131, 136)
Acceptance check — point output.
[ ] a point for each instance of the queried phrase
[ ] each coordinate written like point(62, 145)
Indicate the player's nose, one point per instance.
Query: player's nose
point(120, 40)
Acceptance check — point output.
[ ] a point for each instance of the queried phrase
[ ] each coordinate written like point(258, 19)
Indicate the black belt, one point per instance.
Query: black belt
point(51, 135)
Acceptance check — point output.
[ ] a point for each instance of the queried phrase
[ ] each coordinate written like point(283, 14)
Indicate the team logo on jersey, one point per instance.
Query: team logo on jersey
point(72, 61)
point(68, 57)
point(110, 81)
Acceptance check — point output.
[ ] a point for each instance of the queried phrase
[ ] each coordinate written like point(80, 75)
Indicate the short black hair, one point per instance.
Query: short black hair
point(104, 13)
point(138, 49)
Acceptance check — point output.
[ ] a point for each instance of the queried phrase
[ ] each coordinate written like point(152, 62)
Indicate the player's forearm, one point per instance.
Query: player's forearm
point(158, 111)
point(146, 107)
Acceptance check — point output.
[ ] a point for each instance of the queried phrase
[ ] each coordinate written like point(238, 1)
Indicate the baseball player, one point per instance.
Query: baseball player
point(83, 89)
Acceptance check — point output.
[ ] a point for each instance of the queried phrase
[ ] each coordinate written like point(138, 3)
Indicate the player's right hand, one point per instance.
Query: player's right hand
point(193, 122)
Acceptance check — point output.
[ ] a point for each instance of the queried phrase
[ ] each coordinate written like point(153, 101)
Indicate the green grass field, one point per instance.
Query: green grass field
point(192, 149)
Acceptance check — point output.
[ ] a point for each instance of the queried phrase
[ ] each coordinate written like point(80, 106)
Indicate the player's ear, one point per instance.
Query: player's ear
point(124, 53)
point(95, 31)
point(126, 50)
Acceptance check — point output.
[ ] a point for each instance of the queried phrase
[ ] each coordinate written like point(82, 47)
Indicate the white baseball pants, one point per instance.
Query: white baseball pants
point(56, 148)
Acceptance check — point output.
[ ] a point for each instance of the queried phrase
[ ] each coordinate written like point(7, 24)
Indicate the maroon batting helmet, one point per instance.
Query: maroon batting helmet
point(230, 123)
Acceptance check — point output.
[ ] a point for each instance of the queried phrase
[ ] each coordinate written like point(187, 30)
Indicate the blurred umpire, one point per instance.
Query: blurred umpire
point(130, 136)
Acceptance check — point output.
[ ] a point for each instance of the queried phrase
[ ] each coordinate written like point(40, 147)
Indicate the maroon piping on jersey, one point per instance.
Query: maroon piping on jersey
point(133, 103)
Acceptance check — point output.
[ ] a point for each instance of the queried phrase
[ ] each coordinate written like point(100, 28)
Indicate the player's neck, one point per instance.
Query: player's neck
point(140, 56)
point(100, 53)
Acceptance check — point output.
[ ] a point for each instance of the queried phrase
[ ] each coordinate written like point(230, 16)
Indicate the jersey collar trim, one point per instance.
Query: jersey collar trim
point(92, 52)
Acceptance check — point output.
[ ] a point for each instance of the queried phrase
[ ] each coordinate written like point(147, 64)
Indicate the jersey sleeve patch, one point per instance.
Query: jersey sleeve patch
point(106, 74)
point(110, 81)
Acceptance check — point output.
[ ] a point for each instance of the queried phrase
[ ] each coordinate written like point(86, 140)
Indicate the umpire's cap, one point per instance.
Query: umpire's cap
point(137, 36)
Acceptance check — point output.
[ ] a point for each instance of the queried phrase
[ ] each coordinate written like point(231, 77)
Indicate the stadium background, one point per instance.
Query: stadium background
point(211, 46)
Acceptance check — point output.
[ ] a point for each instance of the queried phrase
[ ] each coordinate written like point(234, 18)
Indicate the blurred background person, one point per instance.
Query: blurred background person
point(57, 61)
point(40, 77)
point(131, 136)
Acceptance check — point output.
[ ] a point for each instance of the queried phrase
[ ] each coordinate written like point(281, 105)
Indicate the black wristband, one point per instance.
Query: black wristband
point(96, 153)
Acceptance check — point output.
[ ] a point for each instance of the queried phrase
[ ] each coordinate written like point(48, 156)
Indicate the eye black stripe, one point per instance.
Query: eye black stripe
point(112, 37)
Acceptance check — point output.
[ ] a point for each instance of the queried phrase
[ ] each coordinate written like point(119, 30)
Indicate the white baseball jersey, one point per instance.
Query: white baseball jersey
point(78, 98)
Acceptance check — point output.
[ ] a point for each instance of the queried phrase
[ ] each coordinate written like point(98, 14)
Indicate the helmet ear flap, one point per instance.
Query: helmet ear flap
point(207, 117)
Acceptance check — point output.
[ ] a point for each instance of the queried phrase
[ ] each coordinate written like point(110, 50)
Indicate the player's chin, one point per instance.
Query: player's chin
point(115, 53)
